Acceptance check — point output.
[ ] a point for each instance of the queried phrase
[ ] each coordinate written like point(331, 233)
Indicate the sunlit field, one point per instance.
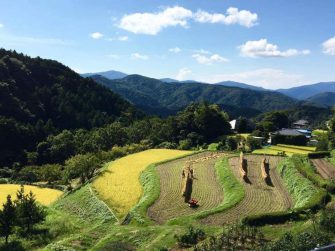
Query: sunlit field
point(119, 186)
point(45, 196)
point(288, 149)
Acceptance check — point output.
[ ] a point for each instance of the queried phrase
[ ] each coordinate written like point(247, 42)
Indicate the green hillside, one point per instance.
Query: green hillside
point(156, 97)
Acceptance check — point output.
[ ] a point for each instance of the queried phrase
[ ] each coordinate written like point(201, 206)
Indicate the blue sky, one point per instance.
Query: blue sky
point(273, 44)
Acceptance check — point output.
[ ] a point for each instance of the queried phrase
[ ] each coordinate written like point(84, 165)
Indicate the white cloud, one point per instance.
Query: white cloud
point(123, 38)
point(152, 23)
point(183, 74)
point(261, 48)
point(266, 77)
point(329, 46)
point(208, 60)
point(233, 16)
point(96, 35)
point(175, 50)
point(1, 25)
point(137, 55)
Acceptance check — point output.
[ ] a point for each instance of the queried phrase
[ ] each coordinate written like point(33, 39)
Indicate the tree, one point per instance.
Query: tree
point(253, 143)
point(82, 166)
point(243, 125)
point(7, 219)
point(231, 144)
point(28, 212)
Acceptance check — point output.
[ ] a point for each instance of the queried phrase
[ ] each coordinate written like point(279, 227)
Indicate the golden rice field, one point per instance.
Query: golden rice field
point(288, 149)
point(45, 196)
point(119, 186)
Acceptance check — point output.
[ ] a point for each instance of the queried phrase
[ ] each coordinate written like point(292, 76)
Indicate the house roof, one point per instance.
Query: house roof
point(288, 132)
point(301, 122)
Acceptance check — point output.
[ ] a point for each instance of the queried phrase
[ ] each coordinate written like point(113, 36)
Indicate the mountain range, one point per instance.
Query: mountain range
point(159, 98)
point(321, 91)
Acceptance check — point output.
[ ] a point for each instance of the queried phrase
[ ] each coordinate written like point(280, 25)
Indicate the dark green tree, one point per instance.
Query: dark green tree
point(82, 166)
point(29, 213)
point(7, 219)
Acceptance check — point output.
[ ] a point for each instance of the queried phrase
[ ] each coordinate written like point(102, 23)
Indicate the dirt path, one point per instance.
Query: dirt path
point(259, 197)
point(324, 168)
point(206, 188)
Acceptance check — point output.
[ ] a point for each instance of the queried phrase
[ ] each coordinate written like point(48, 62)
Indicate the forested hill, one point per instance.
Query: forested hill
point(156, 97)
point(35, 89)
point(39, 97)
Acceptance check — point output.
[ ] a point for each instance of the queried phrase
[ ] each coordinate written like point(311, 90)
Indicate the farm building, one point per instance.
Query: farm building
point(301, 124)
point(289, 136)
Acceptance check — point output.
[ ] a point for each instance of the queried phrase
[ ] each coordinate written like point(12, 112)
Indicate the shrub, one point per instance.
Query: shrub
point(3, 181)
point(191, 237)
point(327, 221)
point(301, 242)
point(317, 155)
point(235, 237)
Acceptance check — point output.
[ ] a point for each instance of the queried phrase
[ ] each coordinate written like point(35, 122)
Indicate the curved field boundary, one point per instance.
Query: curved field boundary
point(259, 197)
point(151, 190)
point(119, 185)
point(324, 168)
point(103, 203)
point(206, 188)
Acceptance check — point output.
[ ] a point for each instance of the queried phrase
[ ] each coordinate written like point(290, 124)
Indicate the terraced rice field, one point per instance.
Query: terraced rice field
point(206, 188)
point(259, 197)
point(45, 196)
point(288, 149)
point(324, 168)
point(119, 186)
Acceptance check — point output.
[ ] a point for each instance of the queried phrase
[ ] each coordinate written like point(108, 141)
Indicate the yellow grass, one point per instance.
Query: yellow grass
point(119, 186)
point(45, 196)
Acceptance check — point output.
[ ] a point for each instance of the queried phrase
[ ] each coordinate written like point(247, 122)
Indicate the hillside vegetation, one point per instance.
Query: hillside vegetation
point(39, 97)
point(156, 97)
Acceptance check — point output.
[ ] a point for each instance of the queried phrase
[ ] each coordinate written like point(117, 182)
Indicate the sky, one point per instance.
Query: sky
point(273, 44)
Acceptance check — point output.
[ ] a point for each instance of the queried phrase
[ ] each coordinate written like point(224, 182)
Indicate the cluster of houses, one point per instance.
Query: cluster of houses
point(298, 128)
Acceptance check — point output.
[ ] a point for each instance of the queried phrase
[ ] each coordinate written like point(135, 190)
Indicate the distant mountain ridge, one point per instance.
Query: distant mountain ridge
point(306, 91)
point(156, 97)
point(107, 74)
point(324, 98)
point(241, 85)
point(303, 92)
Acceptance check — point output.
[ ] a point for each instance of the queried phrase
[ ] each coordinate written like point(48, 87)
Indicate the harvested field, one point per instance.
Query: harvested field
point(259, 197)
point(206, 188)
point(324, 168)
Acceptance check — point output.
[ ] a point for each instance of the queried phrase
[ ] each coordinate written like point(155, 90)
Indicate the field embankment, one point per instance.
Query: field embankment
point(305, 194)
point(259, 196)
